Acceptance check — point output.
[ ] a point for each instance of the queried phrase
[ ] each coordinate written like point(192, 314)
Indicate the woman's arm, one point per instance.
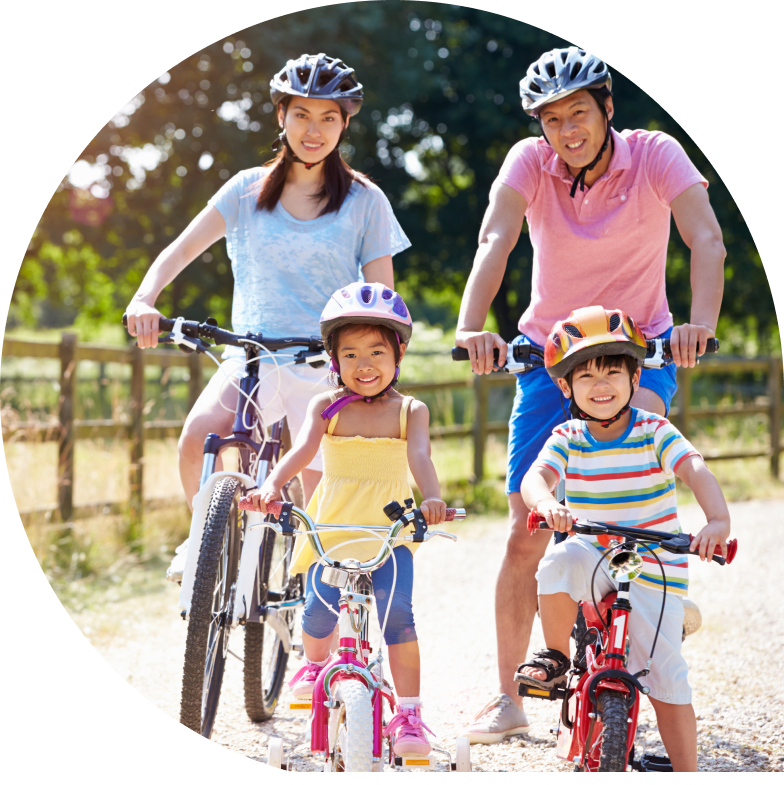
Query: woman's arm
point(418, 438)
point(303, 452)
point(537, 492)
point(380, 271)
point(706, 489)
point(205, 229)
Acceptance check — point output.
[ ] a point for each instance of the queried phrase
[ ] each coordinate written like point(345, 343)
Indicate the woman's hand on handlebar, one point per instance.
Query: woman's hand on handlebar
point(143, 323)
point(263, 496)
point(556, 515)
point(434, 511)
point(684, 340)
point(712, 538)
point(480, 347)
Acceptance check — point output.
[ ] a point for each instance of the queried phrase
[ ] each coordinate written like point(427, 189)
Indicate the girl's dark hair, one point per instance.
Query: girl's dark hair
point(338, 178)
point(386, 333)
point(606, 361)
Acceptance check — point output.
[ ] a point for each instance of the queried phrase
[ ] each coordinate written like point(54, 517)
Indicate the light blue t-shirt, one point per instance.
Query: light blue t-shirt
point(285, 269)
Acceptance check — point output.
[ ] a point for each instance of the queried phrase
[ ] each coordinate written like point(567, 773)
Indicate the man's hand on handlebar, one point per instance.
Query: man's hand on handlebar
point(143, 324)
point(684, 340)
point(480, 347)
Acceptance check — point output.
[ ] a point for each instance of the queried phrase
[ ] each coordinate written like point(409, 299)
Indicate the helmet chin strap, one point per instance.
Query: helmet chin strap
point(282, 141)
point(336, 406)
point(579, 414)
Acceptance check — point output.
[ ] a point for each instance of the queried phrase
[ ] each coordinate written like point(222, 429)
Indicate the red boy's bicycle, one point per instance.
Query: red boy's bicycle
point(599, 712)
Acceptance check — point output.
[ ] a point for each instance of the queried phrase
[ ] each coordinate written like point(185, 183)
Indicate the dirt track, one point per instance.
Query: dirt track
point(738, 688)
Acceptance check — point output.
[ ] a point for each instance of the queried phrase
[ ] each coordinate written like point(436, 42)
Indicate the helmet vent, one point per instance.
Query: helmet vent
point(366, 293)
point(575, 70)
point(387, 294)
point(534, 88)
point(564, 55)
point(302, 75)
point(572, 330)
point(400, 308)
point(599, 67)
point(615, 322)
point(536, 69)
point(550, 66)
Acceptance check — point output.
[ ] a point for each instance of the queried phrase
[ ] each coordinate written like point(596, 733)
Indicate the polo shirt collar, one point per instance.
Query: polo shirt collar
point(621, 159)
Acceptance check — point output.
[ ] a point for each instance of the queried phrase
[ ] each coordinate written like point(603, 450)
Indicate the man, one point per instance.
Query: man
point(598, 205)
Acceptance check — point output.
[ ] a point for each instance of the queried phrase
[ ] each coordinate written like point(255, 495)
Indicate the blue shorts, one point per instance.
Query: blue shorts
point(537, 410)
point(318, 621)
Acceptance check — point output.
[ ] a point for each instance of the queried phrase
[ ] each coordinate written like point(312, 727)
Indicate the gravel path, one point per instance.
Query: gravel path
point(738, 692)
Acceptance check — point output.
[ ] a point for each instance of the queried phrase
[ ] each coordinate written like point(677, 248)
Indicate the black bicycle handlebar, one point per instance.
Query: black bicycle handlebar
point(524, 352)
point(219, 336)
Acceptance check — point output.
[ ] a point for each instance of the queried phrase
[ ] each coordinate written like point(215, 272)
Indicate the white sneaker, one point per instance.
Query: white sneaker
point(692, 618)
point(500, 718)
point(177, 566)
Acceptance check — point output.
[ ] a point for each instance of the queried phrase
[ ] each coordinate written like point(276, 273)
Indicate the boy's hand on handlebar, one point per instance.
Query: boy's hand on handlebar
point(711, 538)
point(143, 324)
point(261, 497)
point(558, 517)
point(434, 511)
point(684, 340)
point(480, 347)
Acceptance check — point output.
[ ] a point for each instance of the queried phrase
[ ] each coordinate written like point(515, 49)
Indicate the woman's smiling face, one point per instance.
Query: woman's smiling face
point(366, 359)
point(313, 126)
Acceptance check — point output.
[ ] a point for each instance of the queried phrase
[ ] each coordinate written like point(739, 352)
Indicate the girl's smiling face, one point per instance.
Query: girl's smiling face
point(366, 357)
point(601, 392)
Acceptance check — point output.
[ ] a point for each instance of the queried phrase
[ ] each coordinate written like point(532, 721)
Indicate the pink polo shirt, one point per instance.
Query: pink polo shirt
point(608, 245)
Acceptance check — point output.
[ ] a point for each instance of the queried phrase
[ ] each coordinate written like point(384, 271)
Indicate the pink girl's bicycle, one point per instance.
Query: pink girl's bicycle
point(348, 730)
point(599, 712)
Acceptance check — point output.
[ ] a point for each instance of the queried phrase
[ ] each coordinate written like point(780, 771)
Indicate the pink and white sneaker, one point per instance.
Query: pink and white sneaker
point(304, 679)
point(409, 732)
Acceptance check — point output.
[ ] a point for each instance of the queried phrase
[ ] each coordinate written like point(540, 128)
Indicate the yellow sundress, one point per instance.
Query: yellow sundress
point(360, 476)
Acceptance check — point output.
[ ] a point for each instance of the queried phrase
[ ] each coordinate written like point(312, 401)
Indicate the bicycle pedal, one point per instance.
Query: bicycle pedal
point(553, 694)
point(300, 706)
point(415, 762)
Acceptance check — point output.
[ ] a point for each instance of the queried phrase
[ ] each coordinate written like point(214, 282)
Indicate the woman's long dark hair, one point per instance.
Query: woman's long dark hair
point(338, 178)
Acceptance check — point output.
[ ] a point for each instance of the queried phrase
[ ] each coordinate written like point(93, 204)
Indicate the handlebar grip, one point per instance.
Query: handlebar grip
point(461, 353)
point(273, 508)
point(732, 550)
point(453, 514)
point(164, 324)
point(711, 345)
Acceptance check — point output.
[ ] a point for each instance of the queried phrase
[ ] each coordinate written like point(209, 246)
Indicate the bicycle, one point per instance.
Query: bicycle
point(598, 720)
point(234, 576)
point(347, 725)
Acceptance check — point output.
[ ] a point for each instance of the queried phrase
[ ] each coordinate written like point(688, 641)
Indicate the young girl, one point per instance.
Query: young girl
point(369, 436)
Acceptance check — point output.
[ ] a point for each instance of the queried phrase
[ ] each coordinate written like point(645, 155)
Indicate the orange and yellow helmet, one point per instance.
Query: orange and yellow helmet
point(588, 333)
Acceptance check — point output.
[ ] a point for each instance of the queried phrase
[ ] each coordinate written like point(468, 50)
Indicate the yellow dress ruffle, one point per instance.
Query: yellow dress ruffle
point(361, 475)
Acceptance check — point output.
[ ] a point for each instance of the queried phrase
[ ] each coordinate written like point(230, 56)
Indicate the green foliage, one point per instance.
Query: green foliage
point(441, 112)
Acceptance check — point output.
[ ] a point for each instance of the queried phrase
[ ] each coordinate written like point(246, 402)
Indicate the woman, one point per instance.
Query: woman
point(296, 229)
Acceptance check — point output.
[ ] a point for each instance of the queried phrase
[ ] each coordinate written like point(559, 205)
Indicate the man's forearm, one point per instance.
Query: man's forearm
point(483, 284)
point(707, 280)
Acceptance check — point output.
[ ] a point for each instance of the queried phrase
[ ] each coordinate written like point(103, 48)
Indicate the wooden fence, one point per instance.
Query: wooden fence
point(65, 429)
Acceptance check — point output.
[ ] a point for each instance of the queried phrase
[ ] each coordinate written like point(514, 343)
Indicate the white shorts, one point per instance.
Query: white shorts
point(568, 566)
point(282, 392)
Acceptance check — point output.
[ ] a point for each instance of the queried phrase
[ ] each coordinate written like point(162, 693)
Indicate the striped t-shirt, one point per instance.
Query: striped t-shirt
point(629, 481)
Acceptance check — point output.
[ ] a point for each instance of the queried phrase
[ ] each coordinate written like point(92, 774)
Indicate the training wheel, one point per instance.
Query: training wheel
point(275, 753)
point(463, 754)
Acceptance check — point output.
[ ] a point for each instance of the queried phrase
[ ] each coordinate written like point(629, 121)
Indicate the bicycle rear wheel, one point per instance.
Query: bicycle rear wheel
point(209, 621)
point(265, 658)
point(615, 731)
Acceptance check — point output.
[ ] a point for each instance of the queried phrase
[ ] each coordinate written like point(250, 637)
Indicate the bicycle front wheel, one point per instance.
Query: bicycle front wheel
point(209, 621)
point(615, 731)
point(353, 746)
point(265, 658)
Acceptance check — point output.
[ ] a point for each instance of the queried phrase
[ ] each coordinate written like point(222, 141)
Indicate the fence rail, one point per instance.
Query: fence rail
point(65, 429)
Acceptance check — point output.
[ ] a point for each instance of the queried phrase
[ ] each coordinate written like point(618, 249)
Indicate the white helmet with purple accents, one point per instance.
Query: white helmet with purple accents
point(366, 303)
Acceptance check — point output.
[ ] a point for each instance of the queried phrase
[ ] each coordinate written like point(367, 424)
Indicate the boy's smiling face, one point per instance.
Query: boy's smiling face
point(601, 392)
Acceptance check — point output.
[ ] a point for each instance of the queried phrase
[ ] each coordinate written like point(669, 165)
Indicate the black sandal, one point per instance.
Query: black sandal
point(556, 675)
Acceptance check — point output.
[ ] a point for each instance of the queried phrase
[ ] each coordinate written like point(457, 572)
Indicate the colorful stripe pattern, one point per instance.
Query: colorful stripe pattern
point(629, 481)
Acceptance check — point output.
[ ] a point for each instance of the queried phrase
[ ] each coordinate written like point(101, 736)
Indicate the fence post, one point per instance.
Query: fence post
point(65, 467)
point(480, 425)
point(137, 447)
point(196, 378)
point(684, 400)
point(774, 392)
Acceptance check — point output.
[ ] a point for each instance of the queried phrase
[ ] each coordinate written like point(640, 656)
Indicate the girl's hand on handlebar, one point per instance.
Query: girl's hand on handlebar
point(143, 324)
point(558, 517)
point(480, 347)
point(434, 511)
point(711, 537)
point(261, 497)
point(684, 340)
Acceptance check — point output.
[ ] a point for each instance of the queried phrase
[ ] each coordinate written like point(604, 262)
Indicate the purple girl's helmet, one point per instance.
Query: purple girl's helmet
point(365, 303)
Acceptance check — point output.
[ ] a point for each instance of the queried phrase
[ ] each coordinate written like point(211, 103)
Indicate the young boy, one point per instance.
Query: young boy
point(619, 465)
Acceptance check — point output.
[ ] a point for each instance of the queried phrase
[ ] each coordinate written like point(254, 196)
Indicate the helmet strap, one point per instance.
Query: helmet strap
point(336, 406)
point(580, 179)
point(579, 414)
